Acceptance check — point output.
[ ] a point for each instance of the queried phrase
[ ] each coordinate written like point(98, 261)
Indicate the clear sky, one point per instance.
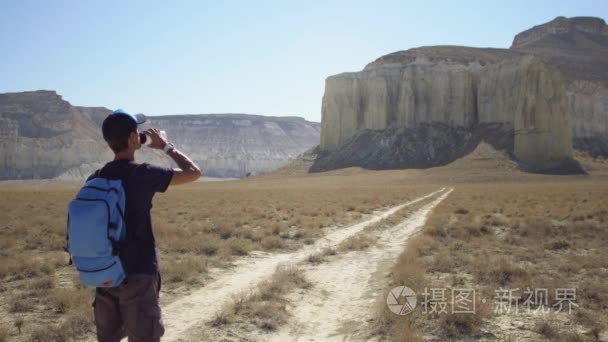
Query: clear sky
point(257, 57)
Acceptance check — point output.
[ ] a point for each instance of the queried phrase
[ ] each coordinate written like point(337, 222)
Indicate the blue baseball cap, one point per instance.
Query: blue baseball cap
point(137, 118)
point(118, 125)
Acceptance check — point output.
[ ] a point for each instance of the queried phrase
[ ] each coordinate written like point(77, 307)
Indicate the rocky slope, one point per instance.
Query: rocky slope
point(428, 106)
point(43, 136)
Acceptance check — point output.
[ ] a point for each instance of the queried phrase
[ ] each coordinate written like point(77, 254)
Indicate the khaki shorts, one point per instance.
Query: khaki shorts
point(130, 310)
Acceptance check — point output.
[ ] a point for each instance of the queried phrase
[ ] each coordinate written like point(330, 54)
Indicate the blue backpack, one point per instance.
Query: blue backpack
point(96, 228)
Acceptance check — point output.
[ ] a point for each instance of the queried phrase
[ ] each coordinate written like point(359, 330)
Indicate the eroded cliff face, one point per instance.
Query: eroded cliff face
point(546, 93)
point(231, 145)
point(522, 94)
point(529, 96)
point(541, 121)
point(578, 48)
point(43, 136)
point(402, 96)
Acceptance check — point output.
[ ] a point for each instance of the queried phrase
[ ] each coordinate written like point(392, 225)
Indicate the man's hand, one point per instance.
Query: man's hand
point(187, 172)
point(157, 141)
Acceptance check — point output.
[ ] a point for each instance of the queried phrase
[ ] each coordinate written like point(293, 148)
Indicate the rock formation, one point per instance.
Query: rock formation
point(534, 103)
point(43, 136)
point(578, 47)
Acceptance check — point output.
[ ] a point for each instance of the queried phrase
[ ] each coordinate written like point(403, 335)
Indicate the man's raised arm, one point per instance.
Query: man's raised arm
point(187, 170)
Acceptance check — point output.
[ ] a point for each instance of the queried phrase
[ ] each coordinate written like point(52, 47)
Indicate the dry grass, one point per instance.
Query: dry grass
point(316, 258)
point(224, 220)
point(552, 332)
point(265, 306)
point(73, 325)
point(547, 329)
point(19, 322)
point(20, 305)
point(358, 242)
point(42, 283)
point(398, 328)
point(463, 325)
point(70, 300)
point(536, 233)
point(515, 236)
point(3, 334)
point(321, 256)
point(184, 268)
point(589, 319)
point(197, 227)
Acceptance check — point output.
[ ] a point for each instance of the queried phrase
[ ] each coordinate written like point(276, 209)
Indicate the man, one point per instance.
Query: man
point(132, 309)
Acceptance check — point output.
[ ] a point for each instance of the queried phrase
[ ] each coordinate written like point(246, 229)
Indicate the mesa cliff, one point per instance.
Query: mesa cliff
point(232, 145)
point(44, 136)
point(429, 106)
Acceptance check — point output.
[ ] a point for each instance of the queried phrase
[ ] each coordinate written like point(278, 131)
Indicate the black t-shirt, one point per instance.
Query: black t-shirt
point(141, 182)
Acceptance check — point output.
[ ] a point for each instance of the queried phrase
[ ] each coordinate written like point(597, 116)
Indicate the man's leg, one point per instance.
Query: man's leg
point(139, 303)
point(108, 320)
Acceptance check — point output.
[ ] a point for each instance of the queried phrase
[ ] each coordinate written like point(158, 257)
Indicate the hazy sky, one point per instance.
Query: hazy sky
point(258, 57)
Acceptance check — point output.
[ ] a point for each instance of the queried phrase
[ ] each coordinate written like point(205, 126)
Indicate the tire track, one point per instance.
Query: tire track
point(347, 287)
point(201, 305)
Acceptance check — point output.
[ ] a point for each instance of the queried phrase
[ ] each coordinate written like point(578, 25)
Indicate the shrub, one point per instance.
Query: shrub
point(222, 317)
point(356, 243)
point(559, 245)
point(269, 315)
point(19, 324)
point(207, 247)
point(21, 305)
point(547, 329)
point(23, 267)
point(74, 300)
point(185, 268)
point(3, 334)
point(272, 242)
point(239, 246)
point(62, 333)
point(501, 272)
point(315, 259)
point(265, 306)
point(43, 283)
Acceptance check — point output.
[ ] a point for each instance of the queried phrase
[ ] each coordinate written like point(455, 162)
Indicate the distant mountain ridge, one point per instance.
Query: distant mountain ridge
point(44, 136)
point(232, 145)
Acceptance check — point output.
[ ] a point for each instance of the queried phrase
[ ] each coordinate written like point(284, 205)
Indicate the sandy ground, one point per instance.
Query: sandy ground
point(201, 306)
point(346, 289)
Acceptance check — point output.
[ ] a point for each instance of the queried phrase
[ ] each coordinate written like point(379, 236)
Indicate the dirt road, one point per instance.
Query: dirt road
point(346, 288)
point(200, 306)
